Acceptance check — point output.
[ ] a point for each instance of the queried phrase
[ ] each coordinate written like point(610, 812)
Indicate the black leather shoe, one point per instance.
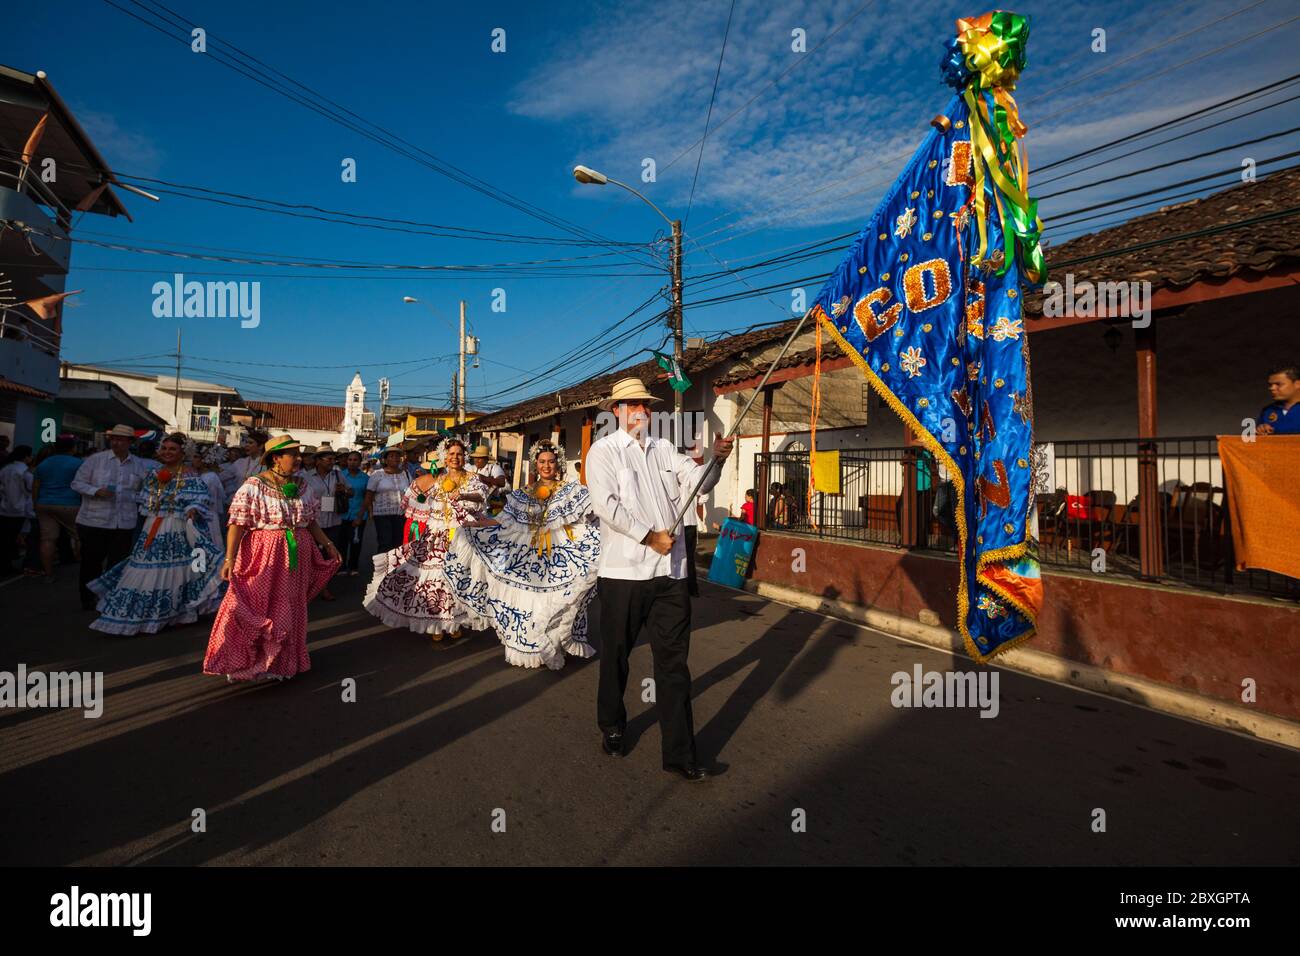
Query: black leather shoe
point(612, 744)
point(692, 772)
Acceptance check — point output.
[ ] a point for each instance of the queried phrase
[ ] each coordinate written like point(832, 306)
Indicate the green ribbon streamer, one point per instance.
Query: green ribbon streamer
point(413, 532)
point(293, 548)
point(1009, 52)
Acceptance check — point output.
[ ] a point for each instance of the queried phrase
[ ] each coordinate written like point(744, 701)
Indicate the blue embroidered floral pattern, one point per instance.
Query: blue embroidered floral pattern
point(536, 594)
point(175, 578)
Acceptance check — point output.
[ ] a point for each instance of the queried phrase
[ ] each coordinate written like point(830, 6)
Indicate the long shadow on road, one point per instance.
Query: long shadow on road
point(264, 755)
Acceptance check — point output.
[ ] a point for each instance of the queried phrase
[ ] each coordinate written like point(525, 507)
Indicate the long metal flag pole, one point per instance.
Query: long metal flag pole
point(690, 501)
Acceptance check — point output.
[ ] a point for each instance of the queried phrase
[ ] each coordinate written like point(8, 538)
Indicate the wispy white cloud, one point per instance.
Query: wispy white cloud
point(822, 144)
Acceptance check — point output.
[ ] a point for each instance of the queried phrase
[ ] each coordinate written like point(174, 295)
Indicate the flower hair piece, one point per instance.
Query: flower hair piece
point(216, 455)
point(547, 445)
point(440, 452)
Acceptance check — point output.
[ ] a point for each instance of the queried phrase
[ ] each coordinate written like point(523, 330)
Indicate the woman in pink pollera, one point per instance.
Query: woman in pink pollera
point(274, 568)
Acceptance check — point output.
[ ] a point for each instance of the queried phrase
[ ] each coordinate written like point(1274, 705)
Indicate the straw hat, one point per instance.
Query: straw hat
point(121, 431)
point(628, 390)
point(279, 444)
point(480, 452)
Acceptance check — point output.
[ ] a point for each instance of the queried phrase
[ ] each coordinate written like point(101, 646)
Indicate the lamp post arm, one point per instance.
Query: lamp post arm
point(638, 195)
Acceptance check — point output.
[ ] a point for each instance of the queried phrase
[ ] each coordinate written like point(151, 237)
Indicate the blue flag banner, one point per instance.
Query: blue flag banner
point(927, 304)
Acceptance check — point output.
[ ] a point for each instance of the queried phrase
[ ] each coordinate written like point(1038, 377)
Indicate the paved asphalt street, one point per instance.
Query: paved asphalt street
point(795, 708)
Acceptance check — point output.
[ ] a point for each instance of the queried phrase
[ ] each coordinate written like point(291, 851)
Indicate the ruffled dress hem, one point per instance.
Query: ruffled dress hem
point(549, 656)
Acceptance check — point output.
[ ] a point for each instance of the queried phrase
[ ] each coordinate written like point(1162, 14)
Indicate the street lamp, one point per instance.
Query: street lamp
point(592, 177)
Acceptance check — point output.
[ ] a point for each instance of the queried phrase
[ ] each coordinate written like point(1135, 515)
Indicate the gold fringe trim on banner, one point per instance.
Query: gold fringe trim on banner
point(959, 482)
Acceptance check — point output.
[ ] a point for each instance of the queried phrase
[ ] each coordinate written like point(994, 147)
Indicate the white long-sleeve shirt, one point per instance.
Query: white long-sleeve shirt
point(326, 486)
point(15, 490)
point(635, 490)
point(102, 470)
point(218, 493)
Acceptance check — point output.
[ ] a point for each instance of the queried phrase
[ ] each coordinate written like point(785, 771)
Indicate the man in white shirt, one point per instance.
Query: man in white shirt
point(492, 475)
point(635, 481)
point(326, 483)
point(15, 502)
point(109, 483)
point(489, 472)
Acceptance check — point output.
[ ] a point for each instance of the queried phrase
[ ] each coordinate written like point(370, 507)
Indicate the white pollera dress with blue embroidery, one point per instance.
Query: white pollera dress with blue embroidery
point(533, 574)
point(172, 579)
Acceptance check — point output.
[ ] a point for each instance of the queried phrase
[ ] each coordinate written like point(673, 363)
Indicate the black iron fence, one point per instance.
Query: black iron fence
point(1089, 501)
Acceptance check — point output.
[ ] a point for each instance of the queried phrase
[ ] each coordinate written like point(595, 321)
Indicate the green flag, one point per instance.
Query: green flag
point(677, 379)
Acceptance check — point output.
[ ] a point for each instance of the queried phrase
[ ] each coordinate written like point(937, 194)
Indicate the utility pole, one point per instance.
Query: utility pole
point(383, 406)
point(677, 324)
point(585, 174)
point(176, 399)
point(460, 380)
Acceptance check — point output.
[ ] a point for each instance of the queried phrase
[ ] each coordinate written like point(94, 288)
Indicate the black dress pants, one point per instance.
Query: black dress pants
point(388, 532)
point(663, 607)
point(338, 535)
point(9, 530)
point(101, 548)
point(351, 549)
point(692, 543)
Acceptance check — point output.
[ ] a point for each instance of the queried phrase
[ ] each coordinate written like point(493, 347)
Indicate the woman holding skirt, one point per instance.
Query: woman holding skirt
point(171, 576)
point(409, 589)
point(533, 571)
point(274, 570)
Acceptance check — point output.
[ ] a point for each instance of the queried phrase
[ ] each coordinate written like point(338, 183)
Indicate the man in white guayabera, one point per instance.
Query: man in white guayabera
point(636, 484)
point(109, 483)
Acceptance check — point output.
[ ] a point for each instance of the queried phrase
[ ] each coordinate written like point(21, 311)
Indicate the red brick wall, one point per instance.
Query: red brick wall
point(1199, 642)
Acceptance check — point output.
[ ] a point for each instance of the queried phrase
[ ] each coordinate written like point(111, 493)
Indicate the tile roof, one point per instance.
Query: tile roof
point(587, 394)
point(1121, 252)
point(792, 360)
point(291, 415)
point(1109, 255)
point(8, 387)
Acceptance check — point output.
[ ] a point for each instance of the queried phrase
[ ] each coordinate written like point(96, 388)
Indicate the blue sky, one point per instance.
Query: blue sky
point(606, 84)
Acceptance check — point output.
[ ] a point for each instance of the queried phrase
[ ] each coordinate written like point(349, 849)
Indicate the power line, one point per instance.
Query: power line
point(1212, 108)
point(1174, 162)
point(1042, 120)
point(1093, 97)
point(803, 253)
point(388, 139)
point(709, 115)
point(321, 214)
point(310, 262)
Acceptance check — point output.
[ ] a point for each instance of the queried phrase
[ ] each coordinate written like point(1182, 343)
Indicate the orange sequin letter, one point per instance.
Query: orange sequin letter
point(959, 168)
point(914, 285)
point(873, 323)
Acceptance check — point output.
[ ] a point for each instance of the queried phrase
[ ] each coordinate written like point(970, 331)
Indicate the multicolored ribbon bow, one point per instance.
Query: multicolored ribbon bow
point(290, 490)
point(983, 62)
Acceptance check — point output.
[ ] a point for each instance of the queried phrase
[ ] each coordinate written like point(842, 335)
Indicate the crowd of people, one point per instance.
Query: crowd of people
point(168, 535)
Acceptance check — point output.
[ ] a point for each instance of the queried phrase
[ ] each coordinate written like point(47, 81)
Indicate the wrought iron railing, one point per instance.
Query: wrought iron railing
point(1089, 505)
